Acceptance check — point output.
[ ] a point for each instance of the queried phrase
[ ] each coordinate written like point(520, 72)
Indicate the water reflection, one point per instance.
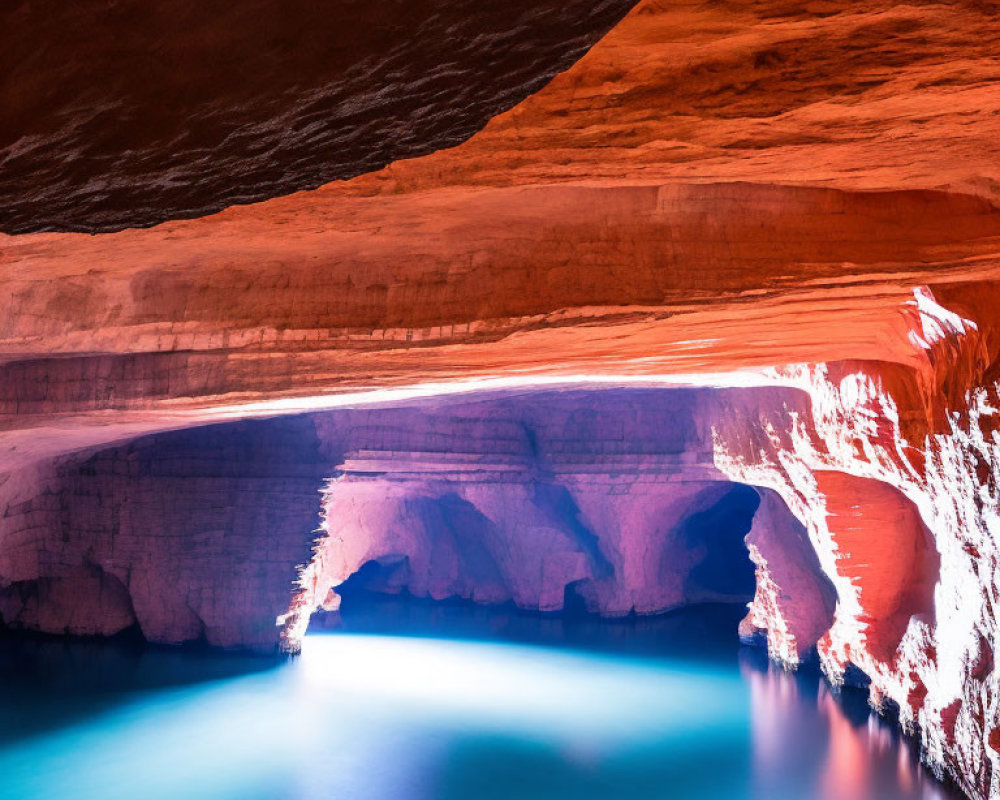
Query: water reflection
point(843, 751)
point(510, 706)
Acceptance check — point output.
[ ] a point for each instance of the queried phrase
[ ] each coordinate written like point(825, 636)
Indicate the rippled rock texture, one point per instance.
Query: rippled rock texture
point(781, 217)
point(125, 114)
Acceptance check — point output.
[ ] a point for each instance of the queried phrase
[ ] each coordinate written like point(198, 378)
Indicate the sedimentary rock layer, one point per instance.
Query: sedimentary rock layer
point(202, 533)
point(553, 281)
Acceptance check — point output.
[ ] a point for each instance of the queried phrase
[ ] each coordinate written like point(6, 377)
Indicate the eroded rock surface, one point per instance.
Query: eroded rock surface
point(191, 536)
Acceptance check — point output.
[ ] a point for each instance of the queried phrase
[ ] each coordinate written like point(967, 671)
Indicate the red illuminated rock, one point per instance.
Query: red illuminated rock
point(900, 508)
point(697, 159)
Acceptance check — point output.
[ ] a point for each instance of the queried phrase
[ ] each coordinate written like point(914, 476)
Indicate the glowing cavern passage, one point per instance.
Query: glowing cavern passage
point(496, 498)
point(618, 501)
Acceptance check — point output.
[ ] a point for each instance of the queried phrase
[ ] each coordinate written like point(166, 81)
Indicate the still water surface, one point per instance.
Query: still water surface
point(414, 701)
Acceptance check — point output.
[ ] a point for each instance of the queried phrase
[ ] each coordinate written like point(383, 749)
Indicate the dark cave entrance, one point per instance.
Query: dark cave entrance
point(719, 532)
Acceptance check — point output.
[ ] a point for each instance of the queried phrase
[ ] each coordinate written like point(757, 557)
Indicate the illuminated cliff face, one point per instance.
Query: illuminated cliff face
point(904, 526)
point(735, 269)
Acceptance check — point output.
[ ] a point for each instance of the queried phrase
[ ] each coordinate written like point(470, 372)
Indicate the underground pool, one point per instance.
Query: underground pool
point(407, 699)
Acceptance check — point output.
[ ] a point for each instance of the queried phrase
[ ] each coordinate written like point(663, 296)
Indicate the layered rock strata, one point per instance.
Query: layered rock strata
point(202, 533)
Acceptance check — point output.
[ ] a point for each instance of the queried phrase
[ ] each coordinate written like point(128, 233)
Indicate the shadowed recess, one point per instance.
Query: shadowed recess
point(719, 532)
point(129, 113)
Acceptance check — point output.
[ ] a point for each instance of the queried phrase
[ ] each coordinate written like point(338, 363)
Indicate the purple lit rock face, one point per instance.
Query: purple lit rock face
point(612, 496)
point(609, 496)
point(191, 534)
point(199, 533)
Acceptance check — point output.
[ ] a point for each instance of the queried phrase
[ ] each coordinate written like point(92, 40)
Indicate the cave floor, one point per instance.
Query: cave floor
point(412, 700)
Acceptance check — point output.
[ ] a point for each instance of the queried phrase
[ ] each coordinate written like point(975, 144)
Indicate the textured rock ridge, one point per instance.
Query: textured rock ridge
point(901, 509)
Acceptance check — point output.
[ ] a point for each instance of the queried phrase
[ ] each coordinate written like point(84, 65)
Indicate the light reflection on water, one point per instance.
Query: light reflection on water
point(370, 716)
point(803, 735)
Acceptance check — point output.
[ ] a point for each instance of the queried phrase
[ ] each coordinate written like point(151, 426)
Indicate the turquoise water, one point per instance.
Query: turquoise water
point(507, 706)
